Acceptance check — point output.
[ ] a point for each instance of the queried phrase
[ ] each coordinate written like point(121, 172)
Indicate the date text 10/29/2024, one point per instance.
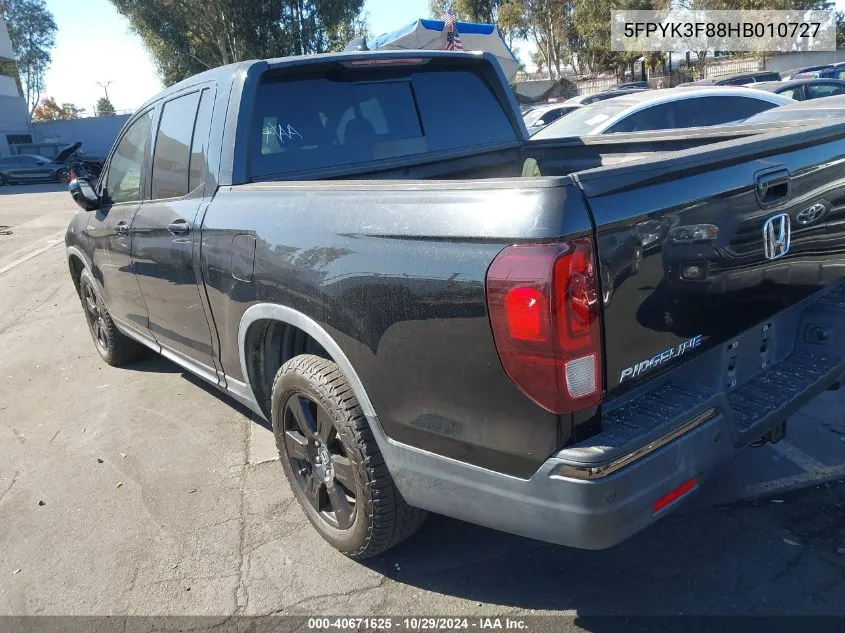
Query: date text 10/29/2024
point(417, 624)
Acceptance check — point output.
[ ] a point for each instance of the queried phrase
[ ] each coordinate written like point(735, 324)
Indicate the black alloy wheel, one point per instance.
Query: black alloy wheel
point(96, 317)
point(113, 346)
point(322, 470)
point(332, 461)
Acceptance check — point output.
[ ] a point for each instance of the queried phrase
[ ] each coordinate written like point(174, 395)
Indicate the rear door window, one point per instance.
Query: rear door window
point(315, 123)
point(664, 116)
point(173, 147)
point(199, 147)
point(706, 111)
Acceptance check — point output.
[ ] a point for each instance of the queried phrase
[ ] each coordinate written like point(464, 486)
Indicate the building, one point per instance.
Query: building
point(97, 135)
point(14, 114)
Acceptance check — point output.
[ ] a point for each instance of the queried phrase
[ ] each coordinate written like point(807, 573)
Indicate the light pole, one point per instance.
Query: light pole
point(105, 87)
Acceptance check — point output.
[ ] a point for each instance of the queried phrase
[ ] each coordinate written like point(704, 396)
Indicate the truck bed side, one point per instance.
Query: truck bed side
point(395, 272)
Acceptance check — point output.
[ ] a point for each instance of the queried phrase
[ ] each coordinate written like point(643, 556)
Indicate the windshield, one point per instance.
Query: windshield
point(532, 117)
point(584, 121)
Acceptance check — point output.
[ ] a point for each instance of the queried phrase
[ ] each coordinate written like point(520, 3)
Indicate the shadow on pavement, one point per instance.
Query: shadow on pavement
point(774, 557)
point(155, 363)
point(745, 558)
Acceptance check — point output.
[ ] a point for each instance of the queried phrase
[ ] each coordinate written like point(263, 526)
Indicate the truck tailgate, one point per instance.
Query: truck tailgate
point(698, 247)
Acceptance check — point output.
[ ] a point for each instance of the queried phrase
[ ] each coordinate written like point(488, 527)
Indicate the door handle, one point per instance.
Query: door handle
point(772, 186)
point(178, 227)
point(122, 228)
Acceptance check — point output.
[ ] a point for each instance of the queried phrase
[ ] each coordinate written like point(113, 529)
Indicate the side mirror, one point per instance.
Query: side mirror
point(84, 195)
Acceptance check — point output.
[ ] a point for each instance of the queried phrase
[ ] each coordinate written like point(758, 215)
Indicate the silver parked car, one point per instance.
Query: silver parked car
point(25, 168)
point(664, 110)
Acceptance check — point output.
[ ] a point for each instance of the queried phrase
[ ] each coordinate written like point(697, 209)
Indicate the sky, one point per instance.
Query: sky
point(94, 44)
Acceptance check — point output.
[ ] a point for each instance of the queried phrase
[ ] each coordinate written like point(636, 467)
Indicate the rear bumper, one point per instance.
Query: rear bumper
point(594, 514)
point(582, 498)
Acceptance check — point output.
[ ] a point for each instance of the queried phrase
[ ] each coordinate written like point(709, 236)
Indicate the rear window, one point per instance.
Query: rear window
point(324, 122)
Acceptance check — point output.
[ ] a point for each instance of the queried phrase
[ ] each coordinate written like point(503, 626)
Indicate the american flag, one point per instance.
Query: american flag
point(453, 39)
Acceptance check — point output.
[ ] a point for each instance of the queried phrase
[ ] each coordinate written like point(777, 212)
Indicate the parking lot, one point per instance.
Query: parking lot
point(142, 491)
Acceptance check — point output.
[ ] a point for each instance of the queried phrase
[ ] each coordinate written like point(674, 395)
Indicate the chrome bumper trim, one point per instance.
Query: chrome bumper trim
point(604, 470)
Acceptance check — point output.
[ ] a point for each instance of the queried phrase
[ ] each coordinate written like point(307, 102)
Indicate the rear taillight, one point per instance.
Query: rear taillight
point(544, 311)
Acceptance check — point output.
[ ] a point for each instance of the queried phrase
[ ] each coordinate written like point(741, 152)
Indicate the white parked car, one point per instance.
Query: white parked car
point(664, 110)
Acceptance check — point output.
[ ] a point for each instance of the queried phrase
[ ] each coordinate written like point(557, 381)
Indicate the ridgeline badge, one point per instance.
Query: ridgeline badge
point(640, 368)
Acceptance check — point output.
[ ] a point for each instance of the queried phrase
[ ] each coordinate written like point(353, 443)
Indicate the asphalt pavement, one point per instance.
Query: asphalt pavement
point(141, 491)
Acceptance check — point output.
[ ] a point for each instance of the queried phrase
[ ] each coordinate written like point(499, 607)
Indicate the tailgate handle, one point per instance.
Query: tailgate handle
point(772, 187)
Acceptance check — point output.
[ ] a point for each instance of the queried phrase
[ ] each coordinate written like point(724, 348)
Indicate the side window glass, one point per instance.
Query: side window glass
point(173, 147)
point(551, 115)
point(199, 146)
point(658, 117)
point(718, 110)
point(794, 93)
point(123, 181)
point(817, 91)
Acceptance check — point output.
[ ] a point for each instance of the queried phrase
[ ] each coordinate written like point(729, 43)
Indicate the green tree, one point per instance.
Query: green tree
point(188, 36)
point(591, 21)
point(748, 5)
point(104, 107)
point(483, 11)
point(511, 20)
point(48, 110)
point(538, 60)
point(32, 32)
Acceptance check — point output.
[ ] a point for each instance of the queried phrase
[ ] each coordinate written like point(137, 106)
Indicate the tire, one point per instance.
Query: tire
point(114, 347)
point(317, 419)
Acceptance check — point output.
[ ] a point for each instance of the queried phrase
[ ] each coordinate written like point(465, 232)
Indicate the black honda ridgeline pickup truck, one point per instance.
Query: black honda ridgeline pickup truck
point(560, 339)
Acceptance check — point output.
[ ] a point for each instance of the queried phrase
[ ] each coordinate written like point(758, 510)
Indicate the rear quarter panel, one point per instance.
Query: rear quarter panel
point(395, 272)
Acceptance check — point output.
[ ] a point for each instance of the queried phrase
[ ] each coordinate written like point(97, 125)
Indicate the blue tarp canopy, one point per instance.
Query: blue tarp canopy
point(428, 35)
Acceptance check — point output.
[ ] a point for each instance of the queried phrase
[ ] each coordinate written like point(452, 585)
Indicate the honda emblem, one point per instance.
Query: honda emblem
point(777, 234)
